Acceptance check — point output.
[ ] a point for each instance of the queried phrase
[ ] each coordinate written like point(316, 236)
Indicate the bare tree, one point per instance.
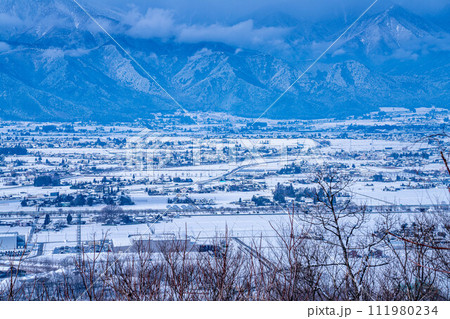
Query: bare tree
point(347, 228)
point(412, 275)
point(137, 276)
point(222, 273)
point(298, 262)
point(110, 214)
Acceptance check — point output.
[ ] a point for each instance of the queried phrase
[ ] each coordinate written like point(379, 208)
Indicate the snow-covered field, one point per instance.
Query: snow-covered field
point(222, 175)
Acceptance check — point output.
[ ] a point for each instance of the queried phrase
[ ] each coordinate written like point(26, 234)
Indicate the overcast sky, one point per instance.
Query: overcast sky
point(232, 10)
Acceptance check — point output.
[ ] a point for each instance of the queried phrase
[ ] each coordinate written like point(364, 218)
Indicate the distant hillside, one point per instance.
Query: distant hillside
point(55, 69)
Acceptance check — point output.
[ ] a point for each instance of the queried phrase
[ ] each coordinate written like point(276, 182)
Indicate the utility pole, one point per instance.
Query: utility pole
point(79, 237)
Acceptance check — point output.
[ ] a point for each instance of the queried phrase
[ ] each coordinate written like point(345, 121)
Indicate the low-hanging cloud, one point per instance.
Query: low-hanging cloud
point(10, 20)
point(236, 23)
point(160, 23)
point(156, 23)
point(4, 46)
point(243, 33)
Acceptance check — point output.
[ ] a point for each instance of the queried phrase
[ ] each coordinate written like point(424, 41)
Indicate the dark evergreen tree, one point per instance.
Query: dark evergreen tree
point(47, 219)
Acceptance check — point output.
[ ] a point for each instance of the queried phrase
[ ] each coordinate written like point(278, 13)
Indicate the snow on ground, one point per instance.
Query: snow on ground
point(374, 195)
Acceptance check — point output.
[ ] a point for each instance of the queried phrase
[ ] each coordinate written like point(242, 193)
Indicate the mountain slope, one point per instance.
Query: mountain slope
point(63, 68)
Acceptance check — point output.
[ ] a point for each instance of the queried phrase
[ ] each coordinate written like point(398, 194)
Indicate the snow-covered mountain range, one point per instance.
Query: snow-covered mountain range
point(56, 64)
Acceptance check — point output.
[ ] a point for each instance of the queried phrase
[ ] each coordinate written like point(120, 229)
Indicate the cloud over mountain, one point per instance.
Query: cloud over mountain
point(56, 63)
point(155, 23)
point(160, 23)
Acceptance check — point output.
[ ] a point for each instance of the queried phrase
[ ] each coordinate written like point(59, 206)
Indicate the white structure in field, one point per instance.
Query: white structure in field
point(11, 241)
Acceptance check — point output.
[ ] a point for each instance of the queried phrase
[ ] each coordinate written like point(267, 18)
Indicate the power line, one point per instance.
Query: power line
point(133, 59)
point(316, 60)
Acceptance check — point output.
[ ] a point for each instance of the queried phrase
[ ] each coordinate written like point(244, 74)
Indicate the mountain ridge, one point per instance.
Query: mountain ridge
point(68, 72)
